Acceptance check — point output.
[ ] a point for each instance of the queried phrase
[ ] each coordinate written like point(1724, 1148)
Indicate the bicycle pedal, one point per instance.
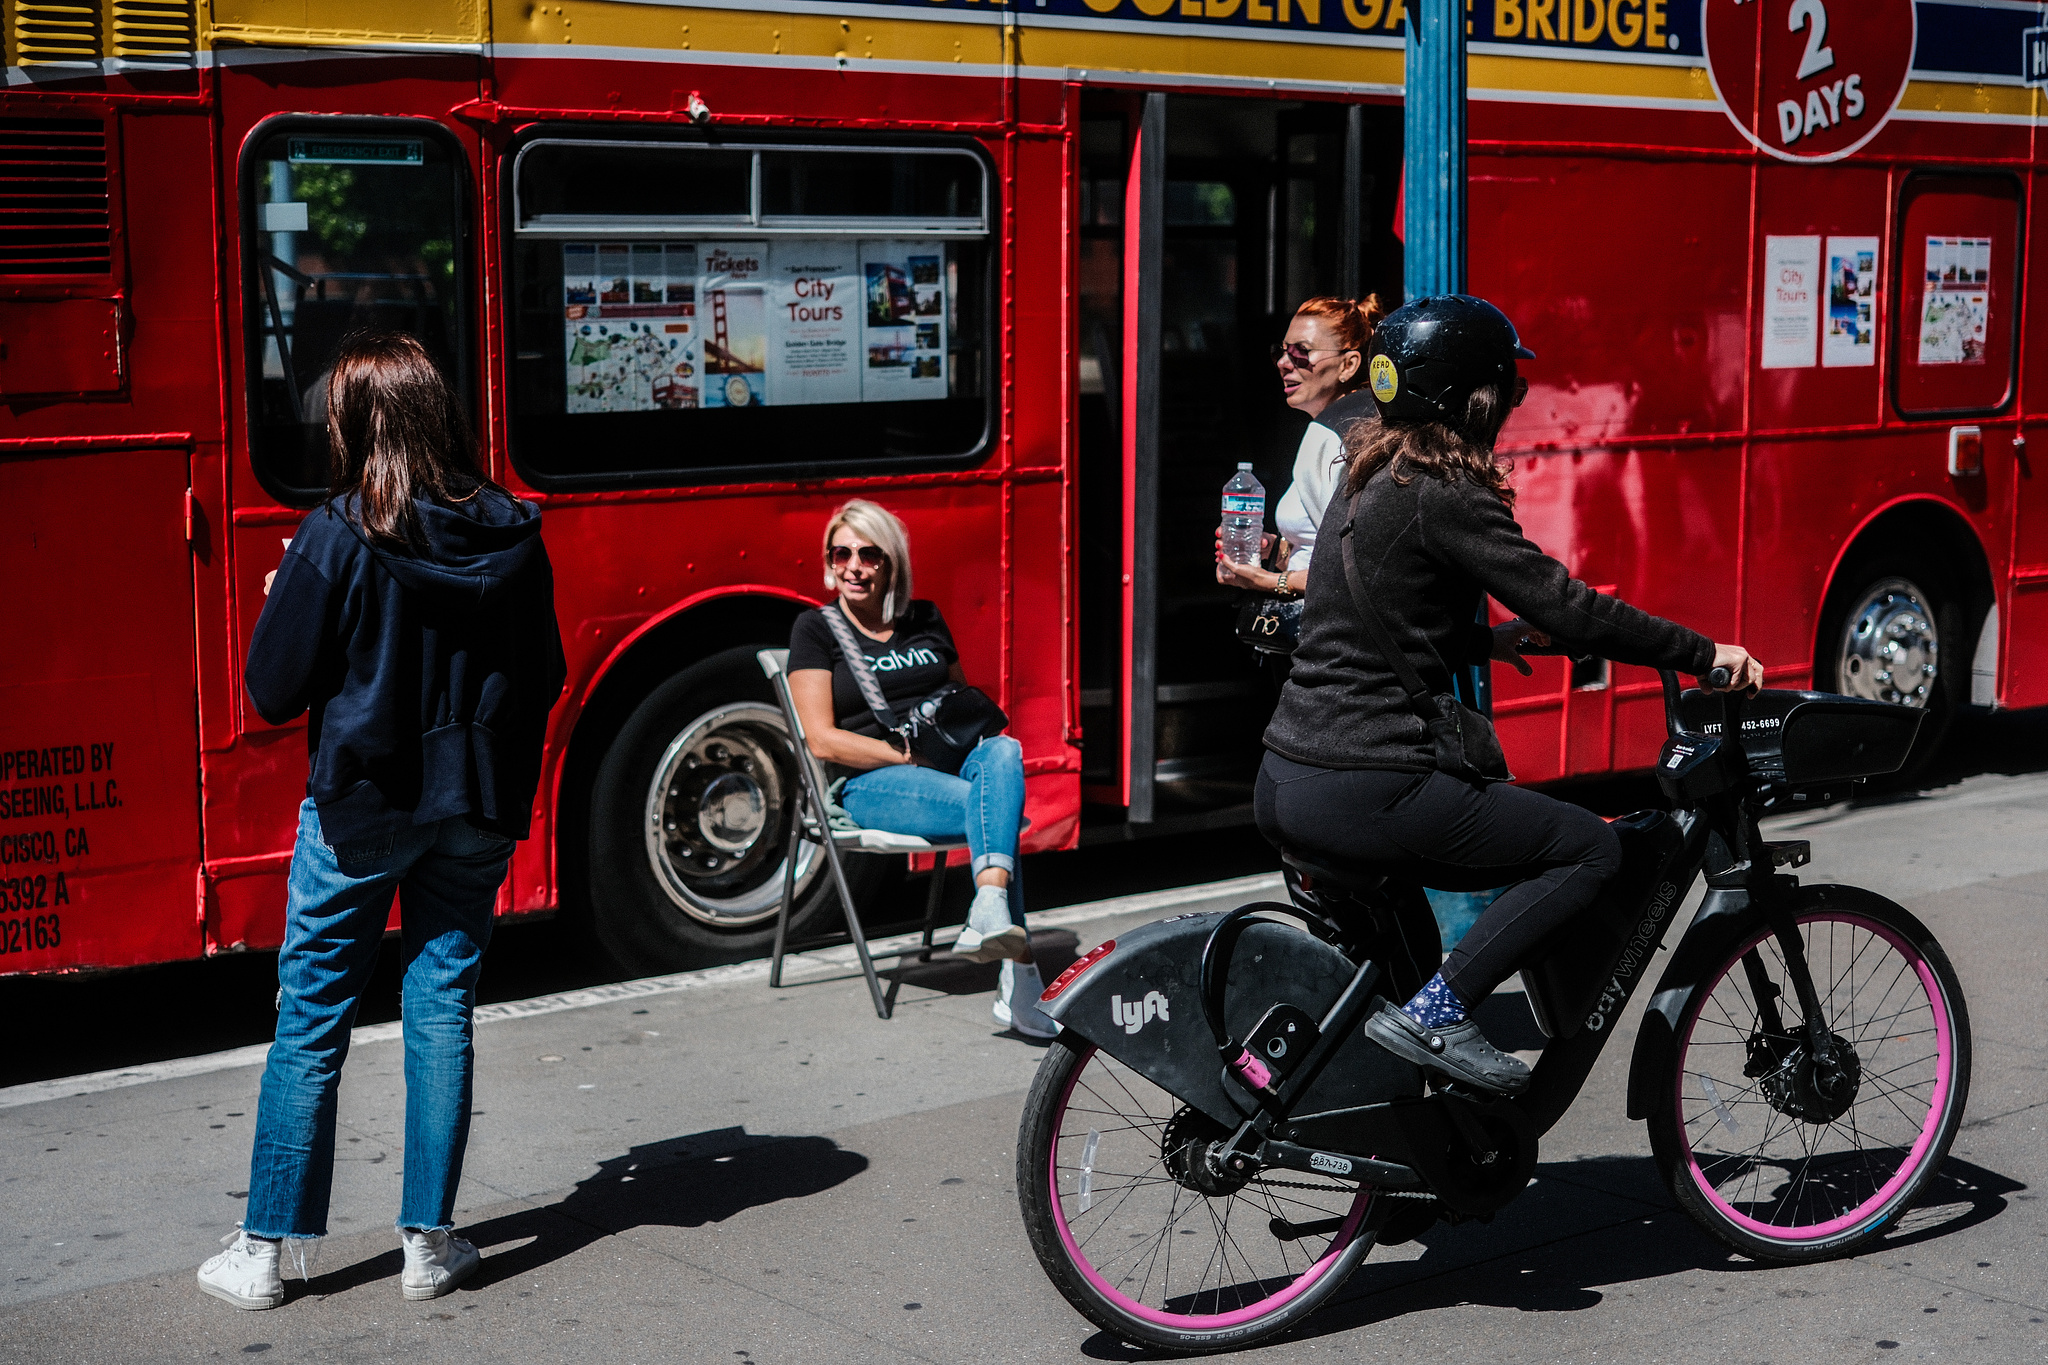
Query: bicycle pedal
point(1455, 1089)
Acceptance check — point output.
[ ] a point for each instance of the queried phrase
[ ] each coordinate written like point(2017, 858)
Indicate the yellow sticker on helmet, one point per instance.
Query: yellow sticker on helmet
point(1386, 380)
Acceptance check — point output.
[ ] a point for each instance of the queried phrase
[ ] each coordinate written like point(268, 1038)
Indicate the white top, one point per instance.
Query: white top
point(1318, 471)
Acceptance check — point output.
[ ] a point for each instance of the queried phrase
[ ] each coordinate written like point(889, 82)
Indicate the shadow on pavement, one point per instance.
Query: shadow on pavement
point(683, 1182)
point(1502, 1265)
point(1054, 950)
point(2006, 742)
point(1961, 1196)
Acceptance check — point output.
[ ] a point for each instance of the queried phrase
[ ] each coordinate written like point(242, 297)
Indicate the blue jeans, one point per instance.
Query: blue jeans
point(340, 900)
point(985, 803)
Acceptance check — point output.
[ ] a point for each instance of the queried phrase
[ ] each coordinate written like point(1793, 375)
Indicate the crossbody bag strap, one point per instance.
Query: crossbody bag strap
point(1411, 681)
point(857, 664)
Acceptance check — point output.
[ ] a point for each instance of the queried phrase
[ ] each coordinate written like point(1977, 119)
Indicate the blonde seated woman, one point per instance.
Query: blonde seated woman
point(880, 784)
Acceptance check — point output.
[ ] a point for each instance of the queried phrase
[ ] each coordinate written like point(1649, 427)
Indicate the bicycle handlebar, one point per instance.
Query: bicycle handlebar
point(1714, 680)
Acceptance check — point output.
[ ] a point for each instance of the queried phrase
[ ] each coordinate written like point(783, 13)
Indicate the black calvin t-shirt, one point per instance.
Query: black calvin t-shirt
point(910, 665)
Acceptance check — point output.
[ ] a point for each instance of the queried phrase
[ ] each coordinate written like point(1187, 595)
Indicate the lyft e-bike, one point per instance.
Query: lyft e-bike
point(1213, 1144)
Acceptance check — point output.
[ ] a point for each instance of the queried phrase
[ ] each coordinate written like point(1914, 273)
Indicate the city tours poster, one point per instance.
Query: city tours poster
point(753, 323)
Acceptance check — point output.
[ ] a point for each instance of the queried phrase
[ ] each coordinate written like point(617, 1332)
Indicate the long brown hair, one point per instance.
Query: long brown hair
point(1350, 322)
point(1442, 450)
point(395, 434)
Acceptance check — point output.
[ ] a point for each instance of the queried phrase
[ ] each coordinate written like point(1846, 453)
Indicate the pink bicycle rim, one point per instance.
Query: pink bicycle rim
point(1943, 1058)
point(1190, 1322)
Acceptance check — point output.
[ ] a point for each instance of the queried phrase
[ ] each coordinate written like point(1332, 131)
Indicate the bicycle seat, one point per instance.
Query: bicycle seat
point(1359, 878)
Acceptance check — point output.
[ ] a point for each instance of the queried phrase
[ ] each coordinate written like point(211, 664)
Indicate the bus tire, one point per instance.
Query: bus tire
point(689, 813)
point(1886, 601)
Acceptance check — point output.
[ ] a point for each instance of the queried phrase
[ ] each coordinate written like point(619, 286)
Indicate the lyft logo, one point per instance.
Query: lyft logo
point(1138, 1013)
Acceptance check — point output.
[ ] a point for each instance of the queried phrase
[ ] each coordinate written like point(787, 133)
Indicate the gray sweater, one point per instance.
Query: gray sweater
point(1428, 552)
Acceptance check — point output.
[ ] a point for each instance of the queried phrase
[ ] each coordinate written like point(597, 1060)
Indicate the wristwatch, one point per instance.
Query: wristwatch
point(1281, 586)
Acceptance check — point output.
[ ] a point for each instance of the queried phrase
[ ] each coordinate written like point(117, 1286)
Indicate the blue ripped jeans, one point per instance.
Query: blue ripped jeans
point(985, 803)
point(339, 902)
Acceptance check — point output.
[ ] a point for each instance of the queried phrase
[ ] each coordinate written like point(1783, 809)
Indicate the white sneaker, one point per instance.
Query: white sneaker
point(988, 934)
point(436, 1261)
point(1017, 992)
point(246, 1274)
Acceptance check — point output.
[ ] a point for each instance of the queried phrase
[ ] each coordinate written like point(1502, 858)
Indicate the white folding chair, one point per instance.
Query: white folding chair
point(812, 825)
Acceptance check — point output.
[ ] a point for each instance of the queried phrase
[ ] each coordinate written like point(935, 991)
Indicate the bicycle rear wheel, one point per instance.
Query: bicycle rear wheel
point(1785, 1158)
point(1145, 1239)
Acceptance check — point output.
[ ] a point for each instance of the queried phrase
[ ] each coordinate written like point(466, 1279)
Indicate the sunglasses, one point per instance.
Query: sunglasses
point(871, 556)
point(1301, 356)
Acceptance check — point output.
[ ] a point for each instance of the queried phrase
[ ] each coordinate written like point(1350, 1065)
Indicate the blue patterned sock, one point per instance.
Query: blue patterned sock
point(1436, 1005)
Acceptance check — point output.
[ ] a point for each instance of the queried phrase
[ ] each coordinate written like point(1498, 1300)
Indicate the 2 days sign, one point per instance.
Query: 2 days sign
point(1809, 80)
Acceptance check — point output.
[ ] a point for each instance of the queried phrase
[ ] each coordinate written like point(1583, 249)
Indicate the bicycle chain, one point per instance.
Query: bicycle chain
point(1340, 1189)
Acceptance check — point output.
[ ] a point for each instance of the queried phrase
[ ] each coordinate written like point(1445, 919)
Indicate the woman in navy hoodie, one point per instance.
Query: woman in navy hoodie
point(413, 617)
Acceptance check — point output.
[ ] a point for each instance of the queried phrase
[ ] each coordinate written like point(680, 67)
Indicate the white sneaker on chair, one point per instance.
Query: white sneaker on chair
point(988, 934)
point(1017, 992)
point(436, 1261)
point(246, 1274)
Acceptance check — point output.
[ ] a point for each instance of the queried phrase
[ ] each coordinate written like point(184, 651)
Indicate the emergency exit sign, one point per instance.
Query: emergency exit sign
point(357, 151)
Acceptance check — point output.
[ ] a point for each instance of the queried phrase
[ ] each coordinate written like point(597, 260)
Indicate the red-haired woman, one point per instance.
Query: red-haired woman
point(1322, 372)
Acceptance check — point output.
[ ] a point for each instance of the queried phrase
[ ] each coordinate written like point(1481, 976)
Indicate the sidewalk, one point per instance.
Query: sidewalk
point(698, 1168)
point(666, 1067)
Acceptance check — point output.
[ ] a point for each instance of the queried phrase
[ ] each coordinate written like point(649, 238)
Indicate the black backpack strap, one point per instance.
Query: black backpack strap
point(1411, 681)
point(857, 663)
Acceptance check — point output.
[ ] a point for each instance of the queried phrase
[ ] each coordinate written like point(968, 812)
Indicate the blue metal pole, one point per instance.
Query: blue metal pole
point(1433, 138)
point(1433, 235)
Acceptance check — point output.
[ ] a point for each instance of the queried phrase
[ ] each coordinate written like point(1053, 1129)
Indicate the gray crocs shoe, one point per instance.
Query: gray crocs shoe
point(1460, 1052)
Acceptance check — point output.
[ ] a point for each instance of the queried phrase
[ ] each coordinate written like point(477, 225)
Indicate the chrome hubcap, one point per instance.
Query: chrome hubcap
point(715, 817)
point(1890, 648)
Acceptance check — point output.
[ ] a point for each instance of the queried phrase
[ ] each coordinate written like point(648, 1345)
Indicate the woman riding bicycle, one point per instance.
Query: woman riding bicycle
point(1351, 774)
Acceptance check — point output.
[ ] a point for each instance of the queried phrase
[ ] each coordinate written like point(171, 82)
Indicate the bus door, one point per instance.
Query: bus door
point(1205, 221)
point(1957, 365)
point(99, 782)
point(346, 224)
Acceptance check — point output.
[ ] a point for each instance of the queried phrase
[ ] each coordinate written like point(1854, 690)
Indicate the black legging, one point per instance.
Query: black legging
point(1434, 830)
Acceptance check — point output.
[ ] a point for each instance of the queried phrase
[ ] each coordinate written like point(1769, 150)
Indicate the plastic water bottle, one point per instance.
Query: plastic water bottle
point(1244, 516)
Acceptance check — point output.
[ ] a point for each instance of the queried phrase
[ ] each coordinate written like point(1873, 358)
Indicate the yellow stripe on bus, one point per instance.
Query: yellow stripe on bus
point(1619, 80)
point(1252, 62)
point(1957, 97)
point(924, 39)
point(659, 28)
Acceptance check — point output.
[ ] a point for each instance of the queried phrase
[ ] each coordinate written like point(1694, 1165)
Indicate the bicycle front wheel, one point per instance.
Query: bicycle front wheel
point(1146, 1238)
point(1788, 1157)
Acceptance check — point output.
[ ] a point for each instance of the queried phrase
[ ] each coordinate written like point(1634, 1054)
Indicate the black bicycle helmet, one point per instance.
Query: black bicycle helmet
point(1428, 356)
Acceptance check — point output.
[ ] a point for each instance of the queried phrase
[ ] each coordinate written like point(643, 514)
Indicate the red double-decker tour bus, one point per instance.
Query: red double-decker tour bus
point(705, 269)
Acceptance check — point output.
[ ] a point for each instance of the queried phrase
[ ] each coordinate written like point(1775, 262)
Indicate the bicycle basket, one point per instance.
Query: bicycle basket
point(1806, 738)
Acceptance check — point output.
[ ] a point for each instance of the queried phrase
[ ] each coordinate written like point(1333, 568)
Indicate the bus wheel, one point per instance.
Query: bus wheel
point(1893, 632)
point(689, 817)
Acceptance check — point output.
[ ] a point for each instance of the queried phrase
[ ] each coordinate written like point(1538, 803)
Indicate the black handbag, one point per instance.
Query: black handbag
point(1466, 746)
point(943, 726)
point(1269, 624)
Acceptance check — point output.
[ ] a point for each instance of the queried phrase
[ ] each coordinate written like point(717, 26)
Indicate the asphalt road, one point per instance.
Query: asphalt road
point(702, 1169)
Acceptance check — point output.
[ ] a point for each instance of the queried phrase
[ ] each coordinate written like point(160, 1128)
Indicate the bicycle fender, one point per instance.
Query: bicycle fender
point(1699, 952)
point(1141, 1003)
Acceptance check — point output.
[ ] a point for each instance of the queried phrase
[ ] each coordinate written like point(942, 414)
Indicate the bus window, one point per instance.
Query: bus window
point(351, 225)
point(1959, 310)
point(687, 313)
